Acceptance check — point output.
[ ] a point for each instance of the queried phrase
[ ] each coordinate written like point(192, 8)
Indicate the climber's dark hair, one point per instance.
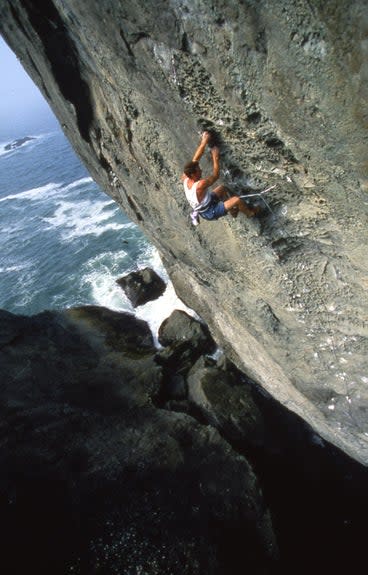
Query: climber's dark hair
point(190, 168)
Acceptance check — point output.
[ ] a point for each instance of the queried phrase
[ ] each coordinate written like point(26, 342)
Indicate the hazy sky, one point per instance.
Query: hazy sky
point(18, 93)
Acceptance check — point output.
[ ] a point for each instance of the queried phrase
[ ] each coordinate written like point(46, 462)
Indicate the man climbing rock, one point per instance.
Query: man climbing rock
point(210, 204)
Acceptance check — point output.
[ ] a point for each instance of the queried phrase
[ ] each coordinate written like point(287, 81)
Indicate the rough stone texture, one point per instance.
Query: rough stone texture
point(185, 340)
point(226, 403)
point(284, 83)
point(94, 478)
point(180, 327)
point(142, 286)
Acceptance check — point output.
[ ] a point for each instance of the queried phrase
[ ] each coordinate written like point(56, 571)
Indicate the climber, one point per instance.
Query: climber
point(210, 204)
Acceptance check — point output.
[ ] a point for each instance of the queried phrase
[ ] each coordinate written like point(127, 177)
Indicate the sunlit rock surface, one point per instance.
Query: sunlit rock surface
point(284, 83)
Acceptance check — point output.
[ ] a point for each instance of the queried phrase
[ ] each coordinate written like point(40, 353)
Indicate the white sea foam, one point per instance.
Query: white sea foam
point(100, 275)
point(17, 268)
point(154, 312)
point(76, 219)
point(4, 152)
point(151, 258)
point(78, 183)
point(52, 188)
point(35, 193)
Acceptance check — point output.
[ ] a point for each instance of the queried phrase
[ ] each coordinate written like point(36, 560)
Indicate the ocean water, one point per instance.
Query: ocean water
point(63, 241)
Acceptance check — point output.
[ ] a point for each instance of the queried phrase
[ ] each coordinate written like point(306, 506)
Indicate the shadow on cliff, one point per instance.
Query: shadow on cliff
point(63, 58)
point(316, 493)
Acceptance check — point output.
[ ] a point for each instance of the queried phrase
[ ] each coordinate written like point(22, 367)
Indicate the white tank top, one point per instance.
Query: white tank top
point(191, 195)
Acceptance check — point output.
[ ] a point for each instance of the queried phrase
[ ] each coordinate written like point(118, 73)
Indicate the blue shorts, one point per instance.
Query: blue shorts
point(215, 210)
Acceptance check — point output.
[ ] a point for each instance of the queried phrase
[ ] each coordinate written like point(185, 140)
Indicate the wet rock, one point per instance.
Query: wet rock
point(11, 327)
point(142, 286)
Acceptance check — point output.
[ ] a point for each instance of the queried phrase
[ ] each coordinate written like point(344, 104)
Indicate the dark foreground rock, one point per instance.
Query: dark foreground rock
point(142, 286)
point(96, 479)
point(184, 340)
point(180, 327)
point(226, 402)
point(113, 461)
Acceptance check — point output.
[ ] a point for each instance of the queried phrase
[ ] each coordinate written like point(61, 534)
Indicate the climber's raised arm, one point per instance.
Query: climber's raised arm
point(209, 180)
point(202, 146)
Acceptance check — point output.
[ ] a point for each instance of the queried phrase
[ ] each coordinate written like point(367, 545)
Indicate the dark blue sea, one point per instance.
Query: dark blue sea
point(63, 241)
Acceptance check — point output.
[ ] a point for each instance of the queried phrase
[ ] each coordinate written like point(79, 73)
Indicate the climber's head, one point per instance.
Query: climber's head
point(192, 170)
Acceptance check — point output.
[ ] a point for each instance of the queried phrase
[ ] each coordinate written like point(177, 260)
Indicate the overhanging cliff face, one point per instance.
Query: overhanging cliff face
point(284, 83)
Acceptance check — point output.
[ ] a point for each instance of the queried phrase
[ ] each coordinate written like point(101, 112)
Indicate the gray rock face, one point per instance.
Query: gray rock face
point(284, 85)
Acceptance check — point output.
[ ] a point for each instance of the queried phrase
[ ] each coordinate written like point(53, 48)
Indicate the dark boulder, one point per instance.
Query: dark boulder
point(225, 400)
point(181, 328)
point(185, 339)
point(122, 331)
point(142, 286)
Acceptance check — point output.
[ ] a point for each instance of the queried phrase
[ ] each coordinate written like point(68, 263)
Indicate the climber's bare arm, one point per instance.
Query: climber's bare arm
point(205, 138)
point(207, 182)
point(215, 153)
point(202, 146)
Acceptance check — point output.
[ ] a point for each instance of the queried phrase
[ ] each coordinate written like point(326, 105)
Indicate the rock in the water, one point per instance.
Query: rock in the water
point(17, 143)
point(142, 286)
